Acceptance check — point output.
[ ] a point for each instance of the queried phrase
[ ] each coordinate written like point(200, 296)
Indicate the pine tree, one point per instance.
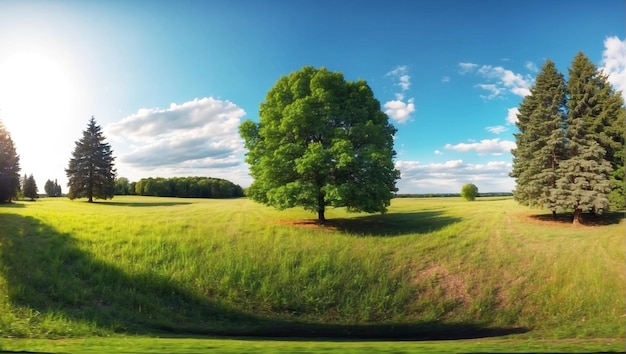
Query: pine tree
point(592, 97)
point(584, 177)
point(9, 167)
point(91, 172)
point(30, 188)
point(541, 140)
point(57, 189)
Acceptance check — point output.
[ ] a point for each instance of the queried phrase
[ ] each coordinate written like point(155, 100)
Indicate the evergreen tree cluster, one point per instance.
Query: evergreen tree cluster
point(52, 189)
point(188, 187)
point(29, 187)
point(570, 145)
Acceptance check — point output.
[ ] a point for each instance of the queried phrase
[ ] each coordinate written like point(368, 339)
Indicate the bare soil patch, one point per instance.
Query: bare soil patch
point(453, 285)
point(588, 219)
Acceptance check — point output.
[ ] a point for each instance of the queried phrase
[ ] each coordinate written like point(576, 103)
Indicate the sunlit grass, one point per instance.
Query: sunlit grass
point(428, 267)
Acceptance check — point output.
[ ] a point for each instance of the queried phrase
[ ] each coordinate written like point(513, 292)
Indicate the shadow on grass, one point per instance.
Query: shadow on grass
point(588, 219)
point(47, 271)
point(393, 224)
point(11, 205)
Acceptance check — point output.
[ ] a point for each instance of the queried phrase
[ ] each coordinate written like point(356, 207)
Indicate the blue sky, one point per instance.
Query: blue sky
point(170, 81)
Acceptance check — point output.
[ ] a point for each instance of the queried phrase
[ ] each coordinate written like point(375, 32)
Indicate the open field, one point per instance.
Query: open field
point(490, 274)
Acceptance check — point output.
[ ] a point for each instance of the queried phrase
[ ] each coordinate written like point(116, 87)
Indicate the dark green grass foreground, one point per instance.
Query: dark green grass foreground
point(430, 269)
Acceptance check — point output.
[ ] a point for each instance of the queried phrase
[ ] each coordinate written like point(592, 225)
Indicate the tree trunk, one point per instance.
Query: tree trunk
point(553, 214)
point(320, 208)
point(320, 216)
point(577, 213)
point(90, 200)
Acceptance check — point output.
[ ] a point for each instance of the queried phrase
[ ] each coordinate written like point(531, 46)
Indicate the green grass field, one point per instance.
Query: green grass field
point(141, 274)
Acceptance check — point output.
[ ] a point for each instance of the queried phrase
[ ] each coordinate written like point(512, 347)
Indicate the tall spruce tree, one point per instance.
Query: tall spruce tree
point(30, 188)
point(541, 140)
point(602, 107)
point(9, 167)
point(91, 171)
point(584, 177)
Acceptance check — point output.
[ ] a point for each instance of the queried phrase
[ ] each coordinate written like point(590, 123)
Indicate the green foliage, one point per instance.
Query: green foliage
point(570, 148)
point(188, 187)
point(584, 178)
point(601, 107)
point(541, 139)
point(30, 189)
point(90, 172)
point(469, 191)
point(122, 186)
point(9, 167)
point(52, 189)
point(321, 141)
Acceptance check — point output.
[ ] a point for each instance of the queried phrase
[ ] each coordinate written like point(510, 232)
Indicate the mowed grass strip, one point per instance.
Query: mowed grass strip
point(119, 344)
point(438, 268)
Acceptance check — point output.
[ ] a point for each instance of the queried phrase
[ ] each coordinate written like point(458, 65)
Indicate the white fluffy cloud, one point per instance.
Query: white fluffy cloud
point(499, 80)
point(494, 90)
point(614, 62)
point(484, 147)
point(199, 137)
point(450, 176)
point(400, 109)
point(511, 116)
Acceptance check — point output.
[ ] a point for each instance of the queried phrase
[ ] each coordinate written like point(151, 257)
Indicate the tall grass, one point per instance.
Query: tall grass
point(144, 265)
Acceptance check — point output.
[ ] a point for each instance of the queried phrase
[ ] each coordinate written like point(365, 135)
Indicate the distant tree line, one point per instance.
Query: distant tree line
point(447, 195)
point(181, 187)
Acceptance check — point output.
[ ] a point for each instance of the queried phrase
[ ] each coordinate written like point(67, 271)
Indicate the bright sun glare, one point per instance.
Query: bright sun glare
point(34, 87)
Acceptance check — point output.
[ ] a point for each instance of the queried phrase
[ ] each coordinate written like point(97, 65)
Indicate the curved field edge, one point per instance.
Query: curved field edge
point(235, 345)
point(437, 268)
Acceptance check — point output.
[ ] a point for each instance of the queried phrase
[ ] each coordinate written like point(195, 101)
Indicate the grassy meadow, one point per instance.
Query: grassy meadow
point(490, 274)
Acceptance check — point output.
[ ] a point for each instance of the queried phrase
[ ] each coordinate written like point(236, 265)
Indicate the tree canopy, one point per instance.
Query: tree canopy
point(30, 189)
point(52, 189)
point(9, 167)
point(469, 191)
point(91, 171)
point(541, 139)
point(570, 142)
point(583, 182)
point(321, 141)
point(187, 187)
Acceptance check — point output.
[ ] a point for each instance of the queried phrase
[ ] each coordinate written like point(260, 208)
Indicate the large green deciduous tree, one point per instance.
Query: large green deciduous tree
point(321, 141)
point(541, 139)
point(9, 167)
point(91, 171)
